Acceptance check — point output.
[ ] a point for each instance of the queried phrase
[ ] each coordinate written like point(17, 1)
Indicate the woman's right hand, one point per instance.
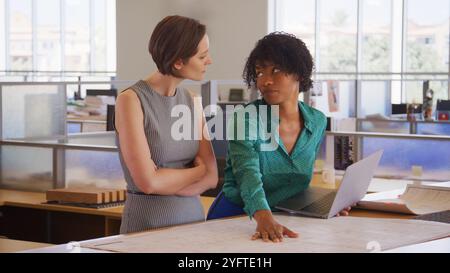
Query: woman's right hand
point(269, 229)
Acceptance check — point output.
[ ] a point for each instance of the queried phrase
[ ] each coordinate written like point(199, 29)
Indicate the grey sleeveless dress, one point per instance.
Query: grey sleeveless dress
point(144, 212)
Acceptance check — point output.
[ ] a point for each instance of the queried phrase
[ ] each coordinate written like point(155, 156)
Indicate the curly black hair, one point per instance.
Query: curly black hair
point(287, 52)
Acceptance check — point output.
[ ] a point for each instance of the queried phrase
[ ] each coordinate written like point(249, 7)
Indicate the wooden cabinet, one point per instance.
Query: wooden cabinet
point(54, 227)
point(24, 224)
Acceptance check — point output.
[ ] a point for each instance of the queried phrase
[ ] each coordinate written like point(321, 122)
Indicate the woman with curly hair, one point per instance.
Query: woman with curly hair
point(257, 179)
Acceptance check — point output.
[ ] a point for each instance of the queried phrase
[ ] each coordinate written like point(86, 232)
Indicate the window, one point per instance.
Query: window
point(104, 55)
point(77, 45)
point(288, 19)
point(48, 36)
point(376, 47)
point(427, 47)
point(20, 34)
point(58, 36)
point(427, 28)
point(400, 43)
point(337, 36)
point(2, 37)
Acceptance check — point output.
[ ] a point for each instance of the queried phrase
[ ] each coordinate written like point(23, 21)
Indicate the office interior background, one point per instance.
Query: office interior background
point(63, 61)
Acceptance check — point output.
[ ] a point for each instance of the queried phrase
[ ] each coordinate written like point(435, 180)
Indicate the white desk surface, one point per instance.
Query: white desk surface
point(436, 246)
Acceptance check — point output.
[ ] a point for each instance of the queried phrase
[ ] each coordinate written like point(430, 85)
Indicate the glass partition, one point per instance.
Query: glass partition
point(36, 164)
point(433, 128)
point(375, 98)
point(410, 158)
point(385, 126)
point(32, 111)
point(101, 139)
point(26, 168)
point(404, 157)
point(94, 168)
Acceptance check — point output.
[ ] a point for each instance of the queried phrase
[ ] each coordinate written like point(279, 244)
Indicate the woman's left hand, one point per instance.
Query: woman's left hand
point(345, 211)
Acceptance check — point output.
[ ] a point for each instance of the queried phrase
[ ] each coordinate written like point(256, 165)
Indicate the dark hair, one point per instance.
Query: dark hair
point(175, 37)
point(287, 52)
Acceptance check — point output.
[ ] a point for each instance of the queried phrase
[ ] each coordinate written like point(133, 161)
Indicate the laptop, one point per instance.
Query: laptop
point(325, 203)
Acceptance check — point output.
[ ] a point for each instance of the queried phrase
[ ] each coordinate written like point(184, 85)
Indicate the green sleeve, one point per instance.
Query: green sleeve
point(245, 165)
point(322, 135)
point(244, 157)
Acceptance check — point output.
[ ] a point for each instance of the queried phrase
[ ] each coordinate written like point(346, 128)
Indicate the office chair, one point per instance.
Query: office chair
point(221, 208)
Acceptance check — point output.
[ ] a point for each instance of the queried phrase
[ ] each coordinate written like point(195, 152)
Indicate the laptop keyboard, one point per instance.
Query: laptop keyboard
point(321, 206)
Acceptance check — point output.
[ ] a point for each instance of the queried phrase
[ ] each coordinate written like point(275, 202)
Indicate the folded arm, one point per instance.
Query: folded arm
point(206, 154)
point(129, 121)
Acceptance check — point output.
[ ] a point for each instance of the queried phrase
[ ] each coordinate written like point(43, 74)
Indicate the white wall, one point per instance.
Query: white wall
point(233, 27)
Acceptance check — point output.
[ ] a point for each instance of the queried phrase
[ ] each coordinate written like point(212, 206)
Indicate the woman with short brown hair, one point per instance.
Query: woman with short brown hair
point(164, 174)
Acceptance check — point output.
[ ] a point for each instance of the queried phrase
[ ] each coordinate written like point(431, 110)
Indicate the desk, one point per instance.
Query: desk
point(88, 123)
point(106, 220)
point(76, 118)
point(35, 200)
point(23, 216)
point(8, 246)
point(440, 245)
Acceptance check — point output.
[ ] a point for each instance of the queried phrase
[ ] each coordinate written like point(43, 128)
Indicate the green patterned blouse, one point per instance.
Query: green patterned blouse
point(258, 178)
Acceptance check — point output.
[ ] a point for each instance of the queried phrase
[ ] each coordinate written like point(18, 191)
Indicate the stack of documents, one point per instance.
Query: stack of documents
point(416, 200)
